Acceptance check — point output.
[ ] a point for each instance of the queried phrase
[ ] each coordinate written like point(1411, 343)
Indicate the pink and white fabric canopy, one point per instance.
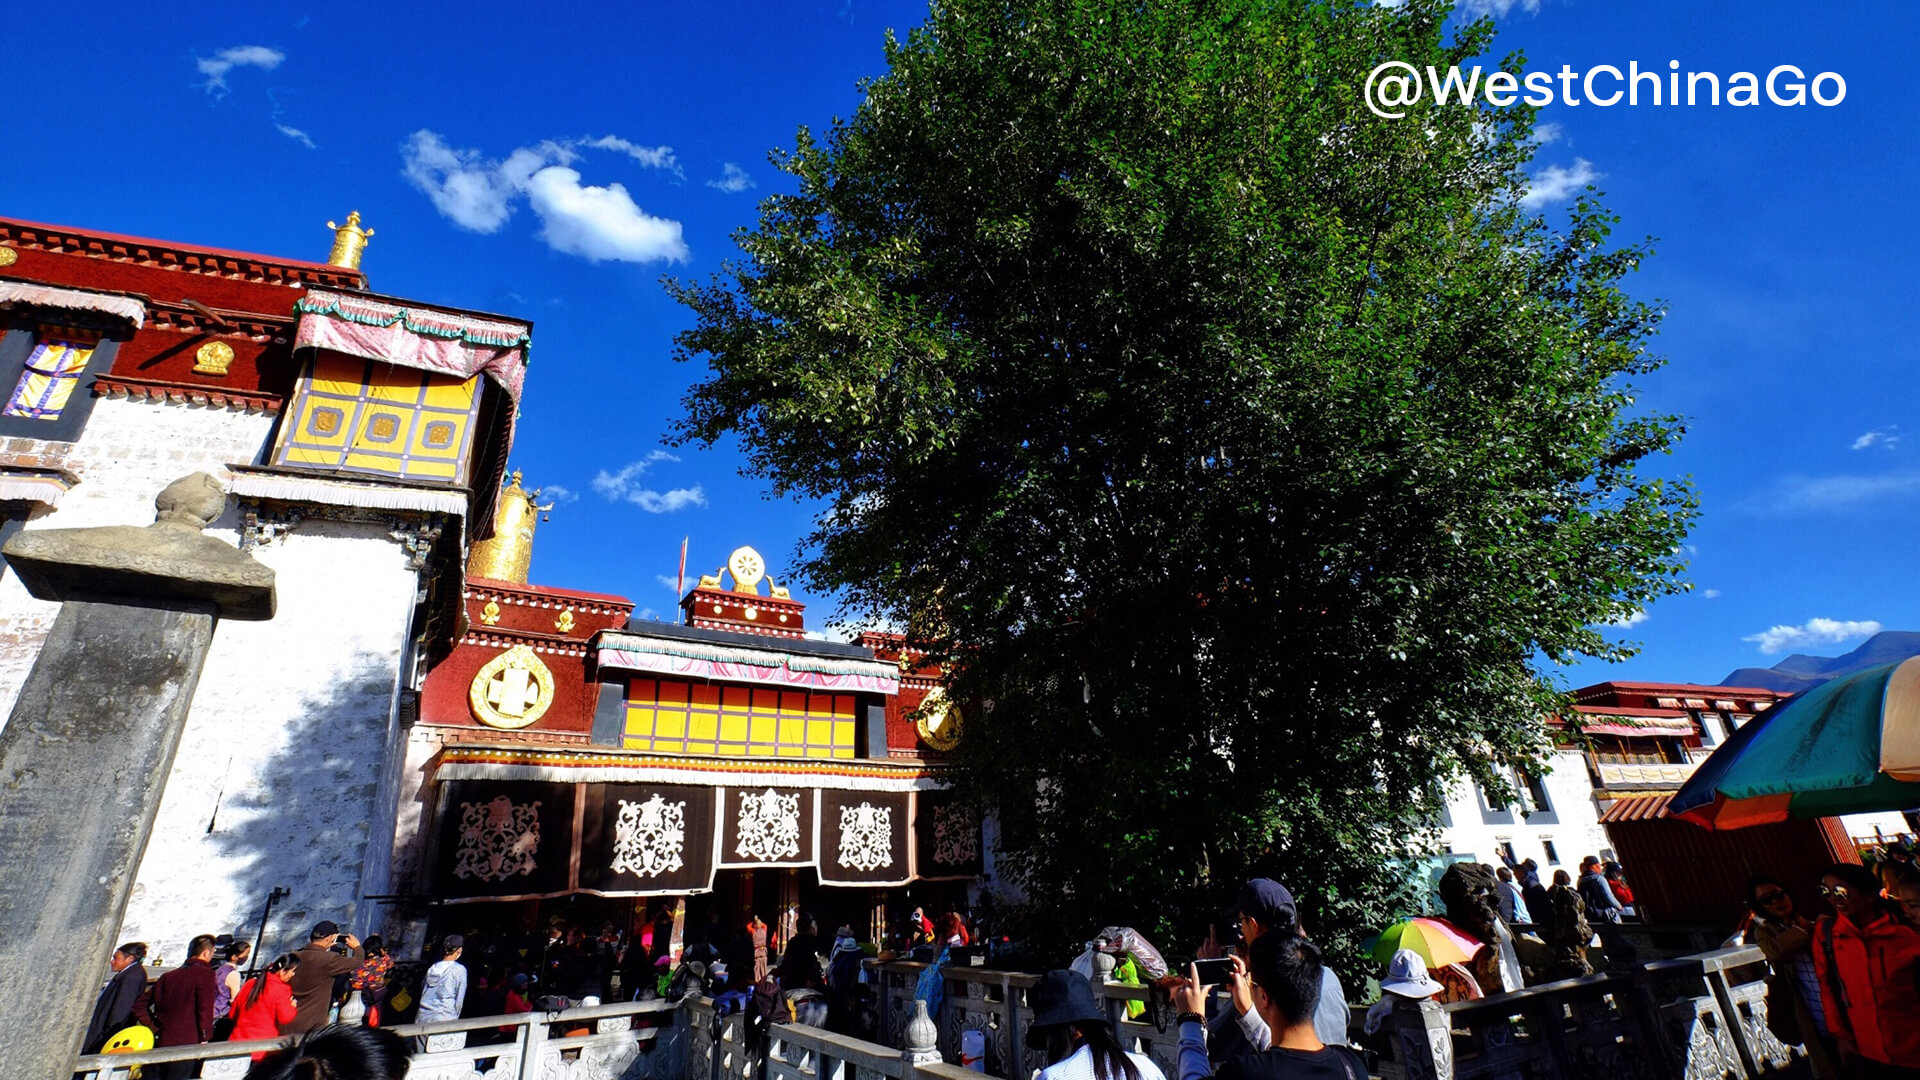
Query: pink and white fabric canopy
point(413, 336)
point(719, 663)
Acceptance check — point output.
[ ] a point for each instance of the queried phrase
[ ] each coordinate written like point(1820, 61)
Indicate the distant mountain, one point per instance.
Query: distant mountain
point(1800, 672)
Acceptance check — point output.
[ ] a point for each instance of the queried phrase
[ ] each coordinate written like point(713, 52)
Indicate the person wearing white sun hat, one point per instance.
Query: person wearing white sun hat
point(1406, 977)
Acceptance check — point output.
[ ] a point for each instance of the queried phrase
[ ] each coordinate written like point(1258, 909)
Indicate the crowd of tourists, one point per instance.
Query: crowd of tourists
point(1846, 985)
point(1846, 981)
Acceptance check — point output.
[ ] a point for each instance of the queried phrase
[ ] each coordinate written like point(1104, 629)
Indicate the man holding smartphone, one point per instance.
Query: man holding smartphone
point(1266, 907)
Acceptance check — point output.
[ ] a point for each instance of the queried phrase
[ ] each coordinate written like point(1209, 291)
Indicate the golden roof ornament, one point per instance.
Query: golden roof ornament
point(507, 555)
point(349, 242)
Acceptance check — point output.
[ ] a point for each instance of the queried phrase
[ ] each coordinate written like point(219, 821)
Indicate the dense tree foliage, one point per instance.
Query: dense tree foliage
point(1246, 451)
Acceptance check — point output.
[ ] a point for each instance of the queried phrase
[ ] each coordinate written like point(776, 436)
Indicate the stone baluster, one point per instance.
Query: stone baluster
point(921, 1046)
point(1425, 1039)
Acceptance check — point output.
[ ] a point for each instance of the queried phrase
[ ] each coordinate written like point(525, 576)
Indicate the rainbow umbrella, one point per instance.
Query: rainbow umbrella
point(1436, 940)
point(1848, 746)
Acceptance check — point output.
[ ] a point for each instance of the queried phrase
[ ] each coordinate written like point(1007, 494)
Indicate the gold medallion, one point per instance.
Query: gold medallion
point(213, 358)
point(938, 721)
point(511, 690)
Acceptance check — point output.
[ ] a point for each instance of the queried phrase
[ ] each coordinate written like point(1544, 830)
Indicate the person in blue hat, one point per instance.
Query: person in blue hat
point(1075, 1037)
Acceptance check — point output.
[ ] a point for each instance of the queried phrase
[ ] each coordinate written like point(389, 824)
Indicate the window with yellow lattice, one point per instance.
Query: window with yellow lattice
point(362, 416)
point(675, 717)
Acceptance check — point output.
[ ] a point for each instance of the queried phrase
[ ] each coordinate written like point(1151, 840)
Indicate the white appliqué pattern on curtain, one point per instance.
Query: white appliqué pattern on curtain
point(497, 839)
point(955, 840)
point(769, 826)
point(648, 837)
point(866, 836)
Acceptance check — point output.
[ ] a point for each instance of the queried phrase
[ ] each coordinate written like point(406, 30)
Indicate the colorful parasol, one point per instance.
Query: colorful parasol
point(1436, 940)
point(1847, 746)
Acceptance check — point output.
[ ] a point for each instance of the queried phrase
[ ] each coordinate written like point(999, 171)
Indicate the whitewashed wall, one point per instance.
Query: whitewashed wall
point(278, 780)
point(128, 451)
point(1573, 824)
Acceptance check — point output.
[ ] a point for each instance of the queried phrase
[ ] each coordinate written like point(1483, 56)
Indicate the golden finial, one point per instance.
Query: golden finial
point(507, 555)
point(349, 242)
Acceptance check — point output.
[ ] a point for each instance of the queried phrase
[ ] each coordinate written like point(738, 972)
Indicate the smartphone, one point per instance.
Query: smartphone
point(1214, 972)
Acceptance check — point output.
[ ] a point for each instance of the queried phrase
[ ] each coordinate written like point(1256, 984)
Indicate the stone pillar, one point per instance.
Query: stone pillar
point(86, 752)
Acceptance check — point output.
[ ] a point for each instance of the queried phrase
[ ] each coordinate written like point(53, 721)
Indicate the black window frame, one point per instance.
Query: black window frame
point(23, 332)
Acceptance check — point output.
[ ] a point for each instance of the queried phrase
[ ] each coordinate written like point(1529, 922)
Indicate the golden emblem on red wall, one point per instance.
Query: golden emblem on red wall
point(938, 721)
point(511, 690)
point(213, 358)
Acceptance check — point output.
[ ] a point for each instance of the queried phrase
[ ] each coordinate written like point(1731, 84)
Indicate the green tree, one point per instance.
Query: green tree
point(1243, 451)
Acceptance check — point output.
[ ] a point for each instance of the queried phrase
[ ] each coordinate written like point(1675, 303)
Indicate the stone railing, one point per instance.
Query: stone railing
point(995, 1003)
point(1694, 1017)
point(528, 1048)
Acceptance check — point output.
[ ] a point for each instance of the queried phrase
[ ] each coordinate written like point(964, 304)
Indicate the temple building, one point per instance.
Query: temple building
point(420, 738)
point(361, 437)
point(1606, 795)
point(580, 765)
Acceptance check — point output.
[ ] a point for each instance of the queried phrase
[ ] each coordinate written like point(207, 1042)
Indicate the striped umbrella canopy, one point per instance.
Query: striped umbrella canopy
point(1848, 746)
point(1436, 940)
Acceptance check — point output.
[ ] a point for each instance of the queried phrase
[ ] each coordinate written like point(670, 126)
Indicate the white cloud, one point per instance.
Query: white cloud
point(596, 223)
point(599, 223)
point(624, 486)
point(1633, 619)
point(1711, 594)
point(1498, 8)
point(215, 67)
point(668, 582)
point(466, 190)
point(1555, 183)
point(561, 496)
point(296, 135)
point(1829, 493)
point(648, 614)
point(666, 502)
point(1813, 632)
point(733, 179)
point(653, 157)
point(616, 485)
point(1546, 133)
point(1888, 437)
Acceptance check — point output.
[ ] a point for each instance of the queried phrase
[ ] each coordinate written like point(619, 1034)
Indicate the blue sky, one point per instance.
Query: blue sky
point(555, 165)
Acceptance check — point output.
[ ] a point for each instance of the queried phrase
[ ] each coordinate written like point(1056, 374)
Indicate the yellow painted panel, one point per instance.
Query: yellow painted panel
point(334, 374)
point(699, 747)
point(760, 729)
point(759, 750)
point(820, 733)
point(843, 751)
point(395, 386)
point(446, 392)
point(296, 456)
point(843, 733)
point(793, 731)
point(438, 435)
point(733, 727)
point(431, 470)
point(704, 727)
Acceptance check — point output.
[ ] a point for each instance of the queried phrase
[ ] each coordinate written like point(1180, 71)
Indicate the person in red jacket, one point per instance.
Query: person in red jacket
point(179, 1008)
point(1869, 968)
point(264, 1006)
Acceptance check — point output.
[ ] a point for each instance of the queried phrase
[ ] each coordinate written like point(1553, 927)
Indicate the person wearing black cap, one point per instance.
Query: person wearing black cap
point(1266, 907)
point(1286, 992)
point(312, 983)
point(1075, 1037)
point(444, 991)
